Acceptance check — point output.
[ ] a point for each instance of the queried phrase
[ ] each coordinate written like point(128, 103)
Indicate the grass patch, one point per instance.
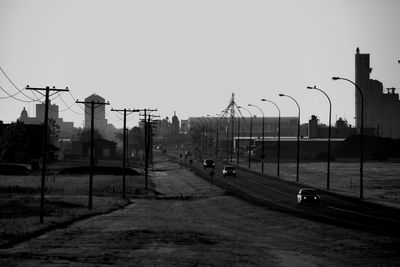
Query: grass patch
point(97, 170)
point(66, 200)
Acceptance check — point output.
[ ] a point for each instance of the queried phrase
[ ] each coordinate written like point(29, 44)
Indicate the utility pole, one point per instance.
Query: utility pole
point(93, 106)
point(124, 146)
point(146, 143)
point(45, 139)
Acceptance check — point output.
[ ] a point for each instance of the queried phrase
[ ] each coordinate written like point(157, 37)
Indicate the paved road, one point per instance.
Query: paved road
point(281, 195)
point(192, 223)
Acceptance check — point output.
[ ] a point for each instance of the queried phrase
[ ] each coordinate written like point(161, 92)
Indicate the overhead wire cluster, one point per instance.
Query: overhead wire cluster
point(34, 98)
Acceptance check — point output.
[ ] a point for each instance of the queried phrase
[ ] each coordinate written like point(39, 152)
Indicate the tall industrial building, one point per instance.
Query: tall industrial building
point(100, 121)
point(107, 130)
point(381, 109)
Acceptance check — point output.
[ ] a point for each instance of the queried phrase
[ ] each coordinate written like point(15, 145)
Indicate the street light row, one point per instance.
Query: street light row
point(298, 134)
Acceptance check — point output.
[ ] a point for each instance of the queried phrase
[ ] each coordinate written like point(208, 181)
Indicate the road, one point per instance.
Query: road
point(281, 195)
point(192, 223)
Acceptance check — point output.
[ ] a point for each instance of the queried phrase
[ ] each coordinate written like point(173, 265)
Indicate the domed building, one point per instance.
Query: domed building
point(175, 125)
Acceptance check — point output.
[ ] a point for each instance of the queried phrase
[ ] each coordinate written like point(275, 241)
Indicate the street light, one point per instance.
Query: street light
point(237, 143)
point(205, 146)
point(216, 141)
point(361, 133)
point(329, 135)
point(262, 145)
point(279, 132)
point(298, 137)
point(211, 137)
point(251, 131)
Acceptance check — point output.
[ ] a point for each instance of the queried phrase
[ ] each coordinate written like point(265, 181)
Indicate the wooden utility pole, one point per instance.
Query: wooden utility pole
point(45, 140)
point(93, 106)
point(146, 143)
point(124, 144)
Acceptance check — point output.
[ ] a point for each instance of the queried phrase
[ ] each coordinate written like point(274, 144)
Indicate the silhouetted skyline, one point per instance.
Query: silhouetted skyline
point(190, 56)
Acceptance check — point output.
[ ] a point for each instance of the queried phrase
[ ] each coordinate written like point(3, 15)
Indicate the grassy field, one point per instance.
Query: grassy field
point(381, 179)
point(66, 200)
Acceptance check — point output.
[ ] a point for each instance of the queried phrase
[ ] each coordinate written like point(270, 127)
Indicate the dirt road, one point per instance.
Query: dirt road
point(191, 223)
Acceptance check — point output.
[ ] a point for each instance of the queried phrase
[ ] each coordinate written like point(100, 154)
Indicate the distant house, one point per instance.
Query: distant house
point(103, 149)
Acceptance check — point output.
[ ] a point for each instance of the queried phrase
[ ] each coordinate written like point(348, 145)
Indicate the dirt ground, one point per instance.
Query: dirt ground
point(193, 223)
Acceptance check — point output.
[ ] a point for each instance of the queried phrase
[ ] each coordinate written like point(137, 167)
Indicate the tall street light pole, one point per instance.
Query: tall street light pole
point(263, 136)
point(298, 137)
point(329, 136)
point(279, 132)
point(205, 135)
point(251, 132)
point(237, 143)
point(216, 138)
point(361, 133)
point(227, 139)
point(211, 136)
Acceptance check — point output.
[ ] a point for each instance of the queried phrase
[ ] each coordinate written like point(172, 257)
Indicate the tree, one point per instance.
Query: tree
point(54, 131)
point(135, 140)
point(14, 143)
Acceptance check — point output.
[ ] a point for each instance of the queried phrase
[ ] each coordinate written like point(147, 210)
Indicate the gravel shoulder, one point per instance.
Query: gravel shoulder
point(193, 223)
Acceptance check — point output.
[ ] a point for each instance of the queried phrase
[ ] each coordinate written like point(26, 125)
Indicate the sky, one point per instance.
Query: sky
point(190, 56)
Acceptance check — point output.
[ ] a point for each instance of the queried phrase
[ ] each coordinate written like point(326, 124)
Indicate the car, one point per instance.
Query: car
point(308, 195)
point(229, 171)
point(209, 163)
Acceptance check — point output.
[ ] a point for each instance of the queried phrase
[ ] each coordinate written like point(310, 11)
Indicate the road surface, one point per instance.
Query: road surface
point(194, 223)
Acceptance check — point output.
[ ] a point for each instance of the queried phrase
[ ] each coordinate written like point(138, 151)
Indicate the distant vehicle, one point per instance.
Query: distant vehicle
point(229, 171)
point(209, 163)
point(308, 195)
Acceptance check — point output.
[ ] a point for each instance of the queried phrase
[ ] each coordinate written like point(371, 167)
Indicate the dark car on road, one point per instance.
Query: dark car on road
point(308, 195)
point(209, 163)
point(229, 171)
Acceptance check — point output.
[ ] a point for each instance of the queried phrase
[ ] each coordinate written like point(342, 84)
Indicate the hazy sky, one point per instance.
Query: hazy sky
point(190, 56)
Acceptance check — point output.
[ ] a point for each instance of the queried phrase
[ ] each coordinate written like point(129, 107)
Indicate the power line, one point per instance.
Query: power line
point(16, 87)
point(15, 98)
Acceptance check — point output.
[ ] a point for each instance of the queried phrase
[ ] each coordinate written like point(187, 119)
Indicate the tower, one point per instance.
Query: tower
point(100, 121)
point(372, 91)
point(362, 71)
point(175, 124)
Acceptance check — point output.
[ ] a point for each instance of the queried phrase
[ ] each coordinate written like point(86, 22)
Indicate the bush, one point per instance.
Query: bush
point(13, 169)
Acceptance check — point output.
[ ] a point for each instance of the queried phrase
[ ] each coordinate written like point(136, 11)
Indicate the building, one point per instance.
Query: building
point(100, 121)
point(381, 109)
point(163, 127)
point(107, 130)
point(341, 129)
point(175, 125)
point(184, 126)
point(167, 127)
point(66, 128)
point(271, 125)
point(103, 149)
